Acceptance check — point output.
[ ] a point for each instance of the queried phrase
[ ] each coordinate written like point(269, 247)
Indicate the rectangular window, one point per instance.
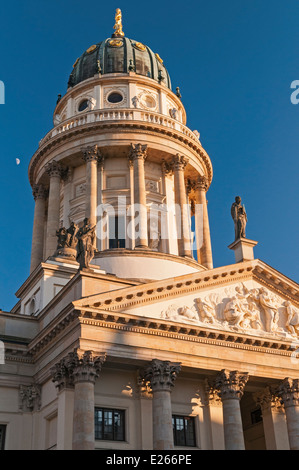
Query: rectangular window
point(117, 232)
point(183, 431)
point(109, 424)
point(2, 436)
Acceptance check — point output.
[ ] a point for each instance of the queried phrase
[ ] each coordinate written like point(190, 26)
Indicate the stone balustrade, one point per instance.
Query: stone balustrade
point(118, 115)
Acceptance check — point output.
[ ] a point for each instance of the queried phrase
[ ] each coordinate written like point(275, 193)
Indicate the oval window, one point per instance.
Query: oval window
point(83, 105)
point(115, 97)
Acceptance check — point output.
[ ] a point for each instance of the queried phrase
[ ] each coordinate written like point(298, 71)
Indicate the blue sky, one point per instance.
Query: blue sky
point(234, 62)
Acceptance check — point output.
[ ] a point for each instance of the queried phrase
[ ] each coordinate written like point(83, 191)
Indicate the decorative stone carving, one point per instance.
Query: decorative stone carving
point(80, 189)
point(77, 367)
point(176, 313)
point(202, 183)
point(179, 162)
point(288, 392)
point(292, 323)
point(206, 312)
point(161, 374)
point(239, 216)
point(54, 168)
point(173, 113)
point(30, 397)
point(135, 101)
point(240, 309)
point(39, 192)
point(92, 153)
point(151, 185)
point(267, 399)
point(138, 151)
point(211, 396)
point(231, 384)
point(88, 367)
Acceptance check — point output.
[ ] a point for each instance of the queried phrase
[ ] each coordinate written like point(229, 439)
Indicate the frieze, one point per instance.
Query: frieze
point(253, 311)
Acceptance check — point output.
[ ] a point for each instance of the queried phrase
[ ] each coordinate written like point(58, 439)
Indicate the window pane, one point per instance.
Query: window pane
point(118, 426)
point(2, 436)
point(98, 424)
point(108, 425)
point(190, 434)
point(184, 431)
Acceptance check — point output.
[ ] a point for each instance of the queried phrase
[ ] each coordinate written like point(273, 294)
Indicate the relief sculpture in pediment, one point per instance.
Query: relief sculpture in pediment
point(241, 309)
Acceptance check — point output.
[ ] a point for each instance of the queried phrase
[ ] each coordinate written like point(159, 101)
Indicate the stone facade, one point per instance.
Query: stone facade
point(172, 352)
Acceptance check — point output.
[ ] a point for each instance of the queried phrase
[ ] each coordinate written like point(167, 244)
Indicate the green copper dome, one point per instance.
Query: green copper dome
point(119, 55)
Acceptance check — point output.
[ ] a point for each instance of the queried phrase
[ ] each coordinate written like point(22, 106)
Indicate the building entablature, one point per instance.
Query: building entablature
point(65, 145)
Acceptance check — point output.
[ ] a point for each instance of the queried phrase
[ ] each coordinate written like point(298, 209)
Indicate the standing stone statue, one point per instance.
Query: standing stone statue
point(239, 216)
point(85, 247)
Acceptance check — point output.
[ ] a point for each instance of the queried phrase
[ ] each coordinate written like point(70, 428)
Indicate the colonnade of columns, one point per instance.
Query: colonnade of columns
point(137, 156)
point(79, 372)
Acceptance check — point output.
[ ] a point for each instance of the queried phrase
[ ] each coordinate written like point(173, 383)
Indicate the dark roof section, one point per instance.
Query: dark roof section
point(119, 55)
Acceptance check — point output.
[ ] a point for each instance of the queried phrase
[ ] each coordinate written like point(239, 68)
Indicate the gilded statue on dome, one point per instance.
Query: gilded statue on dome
point(118, 24)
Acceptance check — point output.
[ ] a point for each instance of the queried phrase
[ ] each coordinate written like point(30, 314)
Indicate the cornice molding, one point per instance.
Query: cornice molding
point(139, 127)
point(195, 282)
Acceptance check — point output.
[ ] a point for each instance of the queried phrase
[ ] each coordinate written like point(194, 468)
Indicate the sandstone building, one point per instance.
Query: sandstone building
point(124, 335)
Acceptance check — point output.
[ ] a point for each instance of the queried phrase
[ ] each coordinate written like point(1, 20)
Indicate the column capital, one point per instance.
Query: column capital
point(88, 367)
point(210, 395)
point(138, 151)
point(54, 168)
point(267, 400)
point(288, 392)
point(231, 384)
point(77, 367)
point(39, 191)
point(92, 153)
point(29, 397)
point(202, 183)
point(179, 162)
point(161, 374)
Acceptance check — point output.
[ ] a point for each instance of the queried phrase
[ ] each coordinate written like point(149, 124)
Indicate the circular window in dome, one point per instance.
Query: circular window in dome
point(115, 97)
point(83, 105)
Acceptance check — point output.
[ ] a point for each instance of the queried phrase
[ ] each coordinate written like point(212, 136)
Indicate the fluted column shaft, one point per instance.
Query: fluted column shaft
point(54, 171)
point(205, 250)
point(182, 218)
point(289, 394)
point(161, 376)
point(138, 155)
point(92, 156)
point(231, 386)
point(37, 250)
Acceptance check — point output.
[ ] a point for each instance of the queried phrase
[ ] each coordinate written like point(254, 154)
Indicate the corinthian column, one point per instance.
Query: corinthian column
point(179, 164)
point(231, 386)
point(80, 371)
point(138, 155)
point(55, 172)
point(203, 232)
point(91, 156)
point(161, 376)
point(37, 250)
point(288, 391)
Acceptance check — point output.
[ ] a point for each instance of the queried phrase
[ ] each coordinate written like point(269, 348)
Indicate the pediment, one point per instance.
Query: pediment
point(250, 298)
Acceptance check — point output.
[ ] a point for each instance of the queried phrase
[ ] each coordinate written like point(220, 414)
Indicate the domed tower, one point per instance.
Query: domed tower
point(121, 158)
